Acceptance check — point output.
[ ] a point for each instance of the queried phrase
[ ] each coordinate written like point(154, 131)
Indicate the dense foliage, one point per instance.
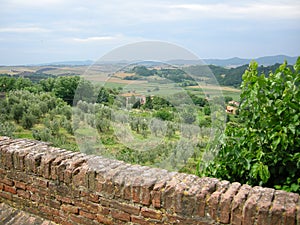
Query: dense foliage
point(263, 148)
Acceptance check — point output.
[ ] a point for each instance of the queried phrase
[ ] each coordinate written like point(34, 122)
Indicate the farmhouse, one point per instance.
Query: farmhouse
point(135, 97)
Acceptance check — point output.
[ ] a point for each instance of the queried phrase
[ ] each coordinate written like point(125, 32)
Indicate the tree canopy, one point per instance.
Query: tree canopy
point(263, 148)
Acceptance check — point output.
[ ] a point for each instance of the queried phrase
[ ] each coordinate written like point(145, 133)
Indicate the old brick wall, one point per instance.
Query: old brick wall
point(73, 188)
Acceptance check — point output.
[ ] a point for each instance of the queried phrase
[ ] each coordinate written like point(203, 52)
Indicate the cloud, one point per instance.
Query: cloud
point(247, 10)
point(23, 30)
point(36, 4)
point(95, 39)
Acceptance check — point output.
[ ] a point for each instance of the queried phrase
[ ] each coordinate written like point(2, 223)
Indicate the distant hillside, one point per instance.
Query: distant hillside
point(233, 76)
point(266, 61)
point(232, 62)
point(69, 63)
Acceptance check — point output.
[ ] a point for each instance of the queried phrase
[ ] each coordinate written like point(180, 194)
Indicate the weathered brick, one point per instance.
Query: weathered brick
point(156, 193)
point(7, 182)
point(250, 207)
point(104, 220)
point(263, 206)
point(214, 199)
point(35, 197)
point(79, 176)
point(49, 210)
point(23, 194)
point(58, 165)
point(70, 208)
point(5, 195)
point(20, 185)
point(149, 180)
point(10, 189)
point(33, 161)
point(78, 219)
point(93, 198)
point(277, 208)
point(120, 215)
point(40, 182)
point(168, 194)
point(225, 203)
point(238, 205)
point(53, 203)
point(122, 206)
point(291, 209)
point(87, 206)
point(174, 219)
point(87, 214)
point(104, 210)
point(156, 198)
point(63, 190)
point(19, 156)
point(46, 161)
point(64, 199)
point(207, 186)
point(136, 190)
point(150, 213)
point(139, 220)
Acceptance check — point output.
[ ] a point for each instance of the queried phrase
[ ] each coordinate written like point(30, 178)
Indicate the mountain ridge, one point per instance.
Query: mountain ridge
point(228, 62)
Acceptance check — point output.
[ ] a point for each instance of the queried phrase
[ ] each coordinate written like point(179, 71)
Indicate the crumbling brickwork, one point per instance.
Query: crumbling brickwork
point(73, 188)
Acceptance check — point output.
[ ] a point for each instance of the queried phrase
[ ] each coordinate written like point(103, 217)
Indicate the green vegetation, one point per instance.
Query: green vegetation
point(233, 76)
point(263, 147)
point(169, 124)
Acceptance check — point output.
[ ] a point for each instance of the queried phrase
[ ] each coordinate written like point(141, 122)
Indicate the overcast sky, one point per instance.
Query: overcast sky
point(39, 31)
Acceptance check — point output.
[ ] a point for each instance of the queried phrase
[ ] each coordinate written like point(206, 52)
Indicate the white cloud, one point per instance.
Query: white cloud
point(23, 30)
point(95, 39)
point(247, 10)
point(36, 4)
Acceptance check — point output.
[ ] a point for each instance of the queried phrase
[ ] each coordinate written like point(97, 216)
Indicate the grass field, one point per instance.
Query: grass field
point(101, 74)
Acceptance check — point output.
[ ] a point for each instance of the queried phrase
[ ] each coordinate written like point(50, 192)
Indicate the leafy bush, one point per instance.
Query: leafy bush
point(263, 149)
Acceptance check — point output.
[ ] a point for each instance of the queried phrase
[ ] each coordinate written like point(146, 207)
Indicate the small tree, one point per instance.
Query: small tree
point(264, 148)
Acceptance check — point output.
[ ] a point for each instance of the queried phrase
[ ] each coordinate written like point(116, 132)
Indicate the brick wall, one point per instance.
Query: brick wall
point(73, 188)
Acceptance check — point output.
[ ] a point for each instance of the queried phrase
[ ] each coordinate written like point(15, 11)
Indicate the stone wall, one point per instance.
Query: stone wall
point(73, 188)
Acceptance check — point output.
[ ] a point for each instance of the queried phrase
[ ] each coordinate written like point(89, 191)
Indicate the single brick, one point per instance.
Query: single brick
point(23, 194)
point(291, 208)
point(104, 220)
point(87, 214)
point(53, 203)
point(70, 208)
point(238, 205)
point(20, 185)
point(5, 195)
point(49, 210)
point(263, 205)
point(10, 189)
point(122, 206)
point(225, 203)
point(40, 182)
point(214, 199)
point(150, 213)
point(120, 215)
point(7, 182)
point(250, 207)
point(278, 207)
point(87, 206)
point(207, 186)
point(64, 199)
point(139, 220)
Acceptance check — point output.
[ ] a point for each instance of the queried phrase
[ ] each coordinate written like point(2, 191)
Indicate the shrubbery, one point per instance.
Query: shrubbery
point(263, 148)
